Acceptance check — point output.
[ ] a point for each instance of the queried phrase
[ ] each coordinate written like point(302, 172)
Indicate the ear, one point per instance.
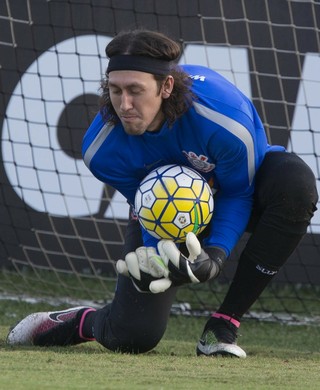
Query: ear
point(167, 87)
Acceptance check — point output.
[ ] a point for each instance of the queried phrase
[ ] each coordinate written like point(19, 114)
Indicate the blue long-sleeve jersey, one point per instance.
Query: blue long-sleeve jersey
point(221, 136)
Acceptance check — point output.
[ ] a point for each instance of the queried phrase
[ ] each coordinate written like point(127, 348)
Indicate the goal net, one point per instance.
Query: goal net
point(61, 230)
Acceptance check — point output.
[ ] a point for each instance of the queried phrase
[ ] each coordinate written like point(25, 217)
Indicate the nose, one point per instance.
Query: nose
point(126, 102)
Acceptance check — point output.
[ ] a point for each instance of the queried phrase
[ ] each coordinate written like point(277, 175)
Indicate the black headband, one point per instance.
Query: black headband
point(139, 63)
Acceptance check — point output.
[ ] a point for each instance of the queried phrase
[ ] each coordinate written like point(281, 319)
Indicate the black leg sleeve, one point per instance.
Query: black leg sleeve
point(285, 200)
point(134, 322)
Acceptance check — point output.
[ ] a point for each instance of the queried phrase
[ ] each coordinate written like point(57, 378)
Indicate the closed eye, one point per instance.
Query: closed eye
point(135, 91)
point(115, 91)
point(131, 89)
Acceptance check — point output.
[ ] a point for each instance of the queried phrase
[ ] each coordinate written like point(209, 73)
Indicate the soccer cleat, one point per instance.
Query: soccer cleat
point(219, 338)
point(51, 328)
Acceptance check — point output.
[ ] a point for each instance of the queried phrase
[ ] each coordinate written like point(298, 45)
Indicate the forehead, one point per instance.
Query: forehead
point(130, 77)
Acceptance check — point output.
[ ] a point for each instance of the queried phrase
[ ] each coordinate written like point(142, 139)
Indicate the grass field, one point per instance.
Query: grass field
point(279, 357)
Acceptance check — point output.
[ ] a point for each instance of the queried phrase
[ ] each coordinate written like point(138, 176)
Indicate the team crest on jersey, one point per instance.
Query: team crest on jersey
point(199, 162)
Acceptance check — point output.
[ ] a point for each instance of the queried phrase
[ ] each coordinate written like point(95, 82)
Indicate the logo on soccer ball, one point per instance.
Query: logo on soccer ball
point(182, 220)
point(172, 201)
point(148, 198)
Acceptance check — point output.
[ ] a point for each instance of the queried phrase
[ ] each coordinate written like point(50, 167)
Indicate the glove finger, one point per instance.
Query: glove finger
point(150, 262)
point(169, 251)
point(163, 255)
point(158, 268)
point(193, 246)
point(143, 258)
point(122, 268)
point(133, 265)
point(160, 285)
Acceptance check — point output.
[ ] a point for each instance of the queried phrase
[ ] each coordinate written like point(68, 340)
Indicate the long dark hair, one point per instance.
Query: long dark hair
point(157, 45)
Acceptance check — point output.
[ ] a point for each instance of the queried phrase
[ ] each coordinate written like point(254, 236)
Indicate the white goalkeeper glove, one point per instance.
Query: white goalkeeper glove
point(144, 266)
point(200, 266)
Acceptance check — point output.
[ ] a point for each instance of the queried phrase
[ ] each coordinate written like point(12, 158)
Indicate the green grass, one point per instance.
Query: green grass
point(279, 357)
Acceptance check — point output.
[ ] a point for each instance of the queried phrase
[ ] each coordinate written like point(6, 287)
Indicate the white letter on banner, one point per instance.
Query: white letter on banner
point(305, 132)
point(43, 175)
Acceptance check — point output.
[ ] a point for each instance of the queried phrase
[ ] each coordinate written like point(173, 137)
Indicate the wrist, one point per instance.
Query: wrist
point(218, 256)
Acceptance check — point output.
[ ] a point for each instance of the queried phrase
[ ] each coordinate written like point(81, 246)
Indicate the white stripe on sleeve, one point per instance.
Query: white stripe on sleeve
point(96, 143)
point(234, 127)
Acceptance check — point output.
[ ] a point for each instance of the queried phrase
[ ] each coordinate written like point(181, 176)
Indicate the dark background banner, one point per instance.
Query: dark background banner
point(276, 53)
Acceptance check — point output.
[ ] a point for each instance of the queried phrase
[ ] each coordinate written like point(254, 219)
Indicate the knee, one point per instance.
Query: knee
point(131, 341)
point(132, 345)
point(297, 191)
point(302, 196)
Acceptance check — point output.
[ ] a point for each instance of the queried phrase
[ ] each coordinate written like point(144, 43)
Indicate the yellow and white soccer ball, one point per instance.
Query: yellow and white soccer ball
point(172, 201)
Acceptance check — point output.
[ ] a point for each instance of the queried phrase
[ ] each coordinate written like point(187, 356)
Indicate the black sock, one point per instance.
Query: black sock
point(249, 282)
point(87, 328)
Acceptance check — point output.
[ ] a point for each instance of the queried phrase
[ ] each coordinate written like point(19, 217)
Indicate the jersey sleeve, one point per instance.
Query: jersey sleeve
point(234, 173)
point(148, 240)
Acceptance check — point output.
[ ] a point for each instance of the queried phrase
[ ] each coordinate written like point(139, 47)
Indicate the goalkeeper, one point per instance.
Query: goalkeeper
point(155, 113)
